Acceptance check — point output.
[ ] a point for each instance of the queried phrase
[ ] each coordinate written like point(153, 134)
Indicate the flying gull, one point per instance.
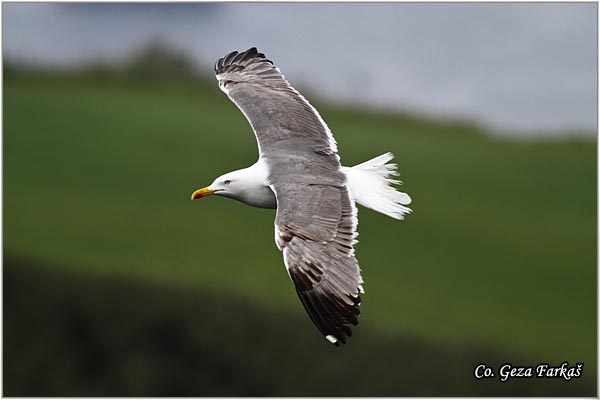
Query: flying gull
point(298, 172)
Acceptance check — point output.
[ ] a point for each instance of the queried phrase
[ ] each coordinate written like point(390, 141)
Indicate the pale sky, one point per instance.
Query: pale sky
point(529, 68)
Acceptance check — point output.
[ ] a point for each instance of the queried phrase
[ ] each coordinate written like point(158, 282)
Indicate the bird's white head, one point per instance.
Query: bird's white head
point(248, 185)
point(231, 185)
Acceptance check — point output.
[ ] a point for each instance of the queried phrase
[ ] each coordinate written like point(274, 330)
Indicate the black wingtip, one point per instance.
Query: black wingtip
point(239, 58)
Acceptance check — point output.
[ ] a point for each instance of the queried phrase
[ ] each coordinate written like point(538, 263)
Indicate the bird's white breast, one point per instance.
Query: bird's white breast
point(257, 192)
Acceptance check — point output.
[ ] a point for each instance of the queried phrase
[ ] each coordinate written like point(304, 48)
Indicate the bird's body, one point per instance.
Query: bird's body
point(299, 173)
point(368, 184)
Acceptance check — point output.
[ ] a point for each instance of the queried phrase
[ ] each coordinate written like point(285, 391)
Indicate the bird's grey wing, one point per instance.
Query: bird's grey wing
point(315, 228)
point(316, 219)
point(273, 107)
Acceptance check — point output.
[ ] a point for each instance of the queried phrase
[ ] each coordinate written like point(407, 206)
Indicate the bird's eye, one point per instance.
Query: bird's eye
point(227, 182)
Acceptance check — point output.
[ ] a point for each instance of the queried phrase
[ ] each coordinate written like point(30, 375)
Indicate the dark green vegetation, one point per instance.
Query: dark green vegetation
point(131, 288)
point(159, 340)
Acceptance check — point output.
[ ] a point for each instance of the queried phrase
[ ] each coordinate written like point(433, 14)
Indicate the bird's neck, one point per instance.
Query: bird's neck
point(256, 191)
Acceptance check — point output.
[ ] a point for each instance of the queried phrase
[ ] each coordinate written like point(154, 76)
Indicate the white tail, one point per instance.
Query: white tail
point(370, 185)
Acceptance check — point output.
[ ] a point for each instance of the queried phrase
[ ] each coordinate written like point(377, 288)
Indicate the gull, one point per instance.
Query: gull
point(298, 172)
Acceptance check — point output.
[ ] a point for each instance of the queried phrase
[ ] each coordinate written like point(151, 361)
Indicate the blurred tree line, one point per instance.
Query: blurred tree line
point(156, 61)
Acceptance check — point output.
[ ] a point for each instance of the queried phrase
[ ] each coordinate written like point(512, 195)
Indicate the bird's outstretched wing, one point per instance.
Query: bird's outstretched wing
point(315, 228)
point(316, 219)
point(273, 107)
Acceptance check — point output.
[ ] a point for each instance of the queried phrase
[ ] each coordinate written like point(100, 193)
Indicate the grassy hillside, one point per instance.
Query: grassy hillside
point(499, 252)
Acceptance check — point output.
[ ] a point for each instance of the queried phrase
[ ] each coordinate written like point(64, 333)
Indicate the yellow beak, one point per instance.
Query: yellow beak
point(200, 193)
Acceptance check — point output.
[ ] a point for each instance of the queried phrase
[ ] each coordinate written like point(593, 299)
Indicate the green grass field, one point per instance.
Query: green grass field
point(500, 250)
